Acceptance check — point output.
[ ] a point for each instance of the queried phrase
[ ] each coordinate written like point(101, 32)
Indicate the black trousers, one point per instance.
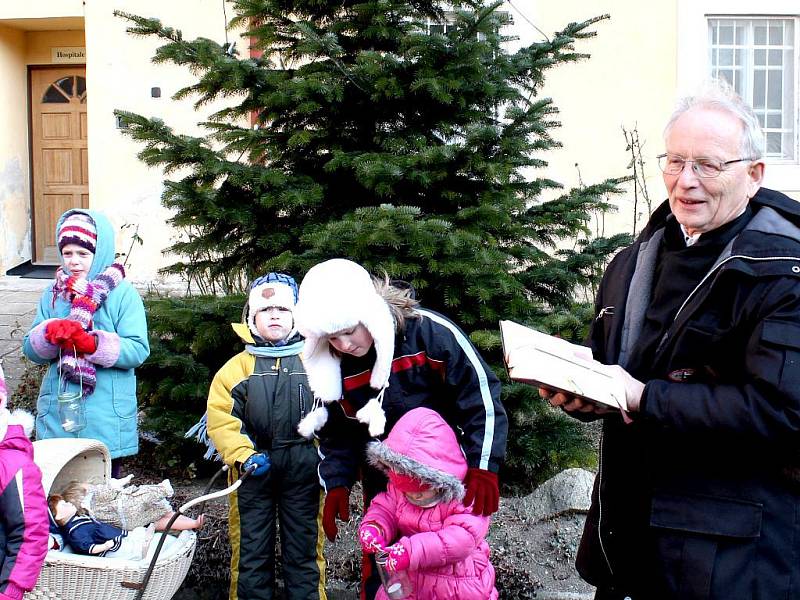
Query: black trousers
point(289, 492)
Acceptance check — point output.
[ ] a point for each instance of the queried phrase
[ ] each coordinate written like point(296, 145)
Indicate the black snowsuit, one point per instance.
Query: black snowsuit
point(254, 405)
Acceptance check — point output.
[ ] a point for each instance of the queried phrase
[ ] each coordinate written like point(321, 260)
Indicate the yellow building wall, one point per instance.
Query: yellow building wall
point(15, 221)
point(120, 75)
point(629, 81)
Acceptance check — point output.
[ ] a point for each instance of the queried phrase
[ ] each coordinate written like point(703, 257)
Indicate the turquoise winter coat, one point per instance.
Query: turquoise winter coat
point(111, 409)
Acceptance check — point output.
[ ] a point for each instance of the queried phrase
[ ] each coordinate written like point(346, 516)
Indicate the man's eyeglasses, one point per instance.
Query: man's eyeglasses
point(672, 164)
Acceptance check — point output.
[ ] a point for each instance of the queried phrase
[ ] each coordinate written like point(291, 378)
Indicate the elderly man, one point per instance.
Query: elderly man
point(698, 491)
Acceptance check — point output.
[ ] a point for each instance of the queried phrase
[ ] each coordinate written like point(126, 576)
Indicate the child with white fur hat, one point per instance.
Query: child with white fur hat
point(23, 509)
point(372, 355)
point(255, 403)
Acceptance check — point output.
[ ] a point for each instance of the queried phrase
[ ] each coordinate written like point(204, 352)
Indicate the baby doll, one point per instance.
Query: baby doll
point(128, 507)
point(86, 535)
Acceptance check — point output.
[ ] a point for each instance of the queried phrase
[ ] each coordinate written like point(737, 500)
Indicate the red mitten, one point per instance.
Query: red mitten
point(371, 538)
point(59, 332)
point(84, 343)
point(399, 559)
point(337, 504)
point(482, 491)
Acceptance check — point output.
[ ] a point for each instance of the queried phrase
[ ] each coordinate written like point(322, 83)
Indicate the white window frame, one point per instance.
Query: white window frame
point(693, 50)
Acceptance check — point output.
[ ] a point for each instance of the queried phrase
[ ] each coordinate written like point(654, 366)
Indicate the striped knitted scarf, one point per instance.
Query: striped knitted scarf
point(86, 297)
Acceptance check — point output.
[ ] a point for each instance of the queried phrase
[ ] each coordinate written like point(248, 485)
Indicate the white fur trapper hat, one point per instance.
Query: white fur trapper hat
point(336, 295)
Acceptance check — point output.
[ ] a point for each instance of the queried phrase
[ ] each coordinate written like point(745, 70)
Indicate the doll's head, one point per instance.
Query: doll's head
point(75, 493)
point(61, 510)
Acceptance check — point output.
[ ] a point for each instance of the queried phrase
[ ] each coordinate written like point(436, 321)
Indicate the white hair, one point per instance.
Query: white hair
point(717, 94)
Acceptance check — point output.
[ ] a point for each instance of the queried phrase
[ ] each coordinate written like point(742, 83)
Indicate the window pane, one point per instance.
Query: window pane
point(741, 34)
point(775, 57)
point(54, 96)
point(81, 85)
point(760, 58)
point(776, 34)
point(759, 89)
point(725, 57)
point(760, 116)
point(712, 27)
point(738, 58)
point(760, 33)
point(437, 28)
point(774, 120)
point(66, 85)
point(774, 89)
point(773, 143)
point(726, 34)
point(727, 75)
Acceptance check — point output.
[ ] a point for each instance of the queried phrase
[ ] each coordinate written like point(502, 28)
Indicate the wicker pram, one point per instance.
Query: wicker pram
point(67, 576)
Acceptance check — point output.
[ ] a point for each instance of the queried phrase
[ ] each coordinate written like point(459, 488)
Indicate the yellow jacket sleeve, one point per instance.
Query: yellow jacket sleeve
point(226, 399)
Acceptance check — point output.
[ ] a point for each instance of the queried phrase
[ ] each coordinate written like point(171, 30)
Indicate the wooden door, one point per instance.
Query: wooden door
point(59, 152)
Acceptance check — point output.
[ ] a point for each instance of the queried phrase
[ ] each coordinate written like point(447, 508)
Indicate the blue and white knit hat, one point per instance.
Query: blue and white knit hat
point(272, 289)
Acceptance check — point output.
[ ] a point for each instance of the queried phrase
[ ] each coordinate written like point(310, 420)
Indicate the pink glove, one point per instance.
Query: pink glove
point(371, 538)
point(399, 559)
point(13, 591)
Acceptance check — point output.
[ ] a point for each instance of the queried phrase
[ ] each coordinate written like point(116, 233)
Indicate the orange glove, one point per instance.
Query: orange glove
point(337, 505)
point(482, 491)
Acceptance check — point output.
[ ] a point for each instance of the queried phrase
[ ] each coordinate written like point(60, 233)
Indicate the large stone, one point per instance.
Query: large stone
point(569, 491)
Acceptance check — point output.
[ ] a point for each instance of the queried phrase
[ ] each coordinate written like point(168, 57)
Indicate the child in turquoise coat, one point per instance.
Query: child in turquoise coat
point(91, 329)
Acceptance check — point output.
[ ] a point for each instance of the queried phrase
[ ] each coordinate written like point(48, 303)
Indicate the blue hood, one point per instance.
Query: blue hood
point(104, 253)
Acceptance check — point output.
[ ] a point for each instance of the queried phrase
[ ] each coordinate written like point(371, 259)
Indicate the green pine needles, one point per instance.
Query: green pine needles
point(401, 134)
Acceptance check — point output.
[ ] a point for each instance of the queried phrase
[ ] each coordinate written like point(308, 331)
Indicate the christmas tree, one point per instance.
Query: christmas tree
point(402, 135)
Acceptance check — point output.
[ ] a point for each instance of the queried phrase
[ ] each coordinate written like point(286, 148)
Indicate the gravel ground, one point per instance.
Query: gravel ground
point(532, 559)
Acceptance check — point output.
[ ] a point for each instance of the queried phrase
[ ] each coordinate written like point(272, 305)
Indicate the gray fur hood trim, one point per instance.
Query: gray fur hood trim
point(384, 458)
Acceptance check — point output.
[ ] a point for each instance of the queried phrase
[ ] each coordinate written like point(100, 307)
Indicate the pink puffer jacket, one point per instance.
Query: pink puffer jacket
point(447, 547)
point(23, 514)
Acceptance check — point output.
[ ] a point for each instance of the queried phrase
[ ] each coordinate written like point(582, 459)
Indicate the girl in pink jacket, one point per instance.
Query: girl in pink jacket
point(23, 509)
point(420, 520)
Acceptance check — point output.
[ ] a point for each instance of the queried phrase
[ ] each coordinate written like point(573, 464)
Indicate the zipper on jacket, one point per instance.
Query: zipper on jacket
point(302, 400)
point(600, 505)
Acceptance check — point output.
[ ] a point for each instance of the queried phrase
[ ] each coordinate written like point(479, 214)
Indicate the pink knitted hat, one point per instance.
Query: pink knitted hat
point(78, 228)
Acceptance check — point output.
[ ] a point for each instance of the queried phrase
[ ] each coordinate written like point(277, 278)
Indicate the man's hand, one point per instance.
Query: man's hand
point(571, 403)
point(337, 505)
point(483, 492)
point(633, 395)
point(633, 387)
